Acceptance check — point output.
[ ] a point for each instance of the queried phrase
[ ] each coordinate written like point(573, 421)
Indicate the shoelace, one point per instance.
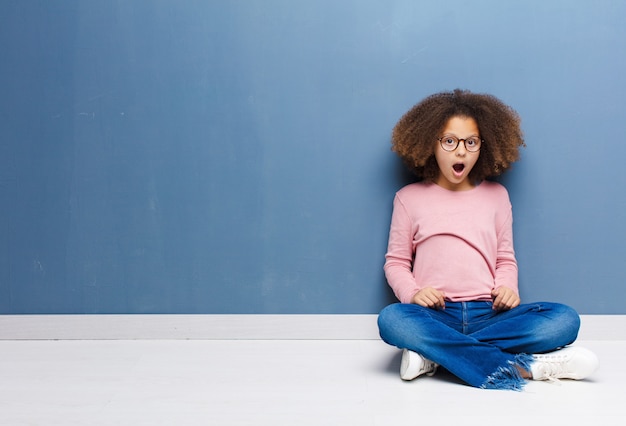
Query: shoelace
point(429, 367)
point(552, 367)
point(553, 380)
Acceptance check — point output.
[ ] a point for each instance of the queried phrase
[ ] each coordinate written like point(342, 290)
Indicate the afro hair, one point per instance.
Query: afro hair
point(415, 136)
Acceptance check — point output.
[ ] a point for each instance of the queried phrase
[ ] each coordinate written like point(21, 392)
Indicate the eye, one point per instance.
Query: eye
point(472, 142)
point(449, 140)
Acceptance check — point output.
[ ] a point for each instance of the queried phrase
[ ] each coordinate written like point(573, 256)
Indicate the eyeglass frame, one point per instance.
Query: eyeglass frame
point(458, 142)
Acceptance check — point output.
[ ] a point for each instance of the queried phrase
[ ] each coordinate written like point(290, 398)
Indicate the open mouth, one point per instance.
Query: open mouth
point(459, 167)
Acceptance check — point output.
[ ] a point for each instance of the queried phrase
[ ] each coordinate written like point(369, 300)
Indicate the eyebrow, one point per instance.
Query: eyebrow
point(452, 134)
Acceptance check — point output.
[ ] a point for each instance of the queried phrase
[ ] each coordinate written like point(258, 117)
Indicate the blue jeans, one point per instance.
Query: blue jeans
point(479, 345)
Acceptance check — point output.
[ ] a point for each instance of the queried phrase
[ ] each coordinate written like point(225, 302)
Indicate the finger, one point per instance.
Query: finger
point(424, 300)
point(509, 301)
point(442, 301)
point(432, 300)
point(497, 301)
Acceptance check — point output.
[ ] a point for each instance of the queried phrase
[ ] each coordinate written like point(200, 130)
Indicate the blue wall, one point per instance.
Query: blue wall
point(233, 156)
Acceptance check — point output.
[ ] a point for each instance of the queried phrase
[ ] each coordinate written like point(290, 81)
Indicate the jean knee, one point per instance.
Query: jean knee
point(387, 317)
point(395, 322)
point(564, 323)
point(571, 322)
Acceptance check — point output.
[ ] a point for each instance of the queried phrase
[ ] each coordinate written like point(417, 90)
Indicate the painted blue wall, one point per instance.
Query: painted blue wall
point(234, 156)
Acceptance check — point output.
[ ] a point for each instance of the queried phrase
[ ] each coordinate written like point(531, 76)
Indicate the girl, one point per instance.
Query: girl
point(450, 259)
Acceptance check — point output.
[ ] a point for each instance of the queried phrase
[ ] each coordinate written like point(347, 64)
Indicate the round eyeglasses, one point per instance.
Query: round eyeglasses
point(451, 143)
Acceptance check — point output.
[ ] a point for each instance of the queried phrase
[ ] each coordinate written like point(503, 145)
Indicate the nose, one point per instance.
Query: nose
point(460, 149)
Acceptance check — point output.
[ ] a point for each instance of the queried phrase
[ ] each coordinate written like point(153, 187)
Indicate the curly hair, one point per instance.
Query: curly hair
point(415, 136)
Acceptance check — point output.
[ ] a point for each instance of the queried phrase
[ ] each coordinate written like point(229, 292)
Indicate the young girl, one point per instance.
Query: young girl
point(450, 259)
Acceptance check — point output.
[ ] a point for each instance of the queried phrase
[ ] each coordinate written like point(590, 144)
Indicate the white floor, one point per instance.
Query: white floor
point(276, 382)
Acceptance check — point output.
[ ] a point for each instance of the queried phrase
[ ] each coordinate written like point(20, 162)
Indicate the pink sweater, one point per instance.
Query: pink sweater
point(459, 242)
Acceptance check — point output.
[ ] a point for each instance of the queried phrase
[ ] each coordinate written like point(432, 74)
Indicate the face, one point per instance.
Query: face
point(455, 166)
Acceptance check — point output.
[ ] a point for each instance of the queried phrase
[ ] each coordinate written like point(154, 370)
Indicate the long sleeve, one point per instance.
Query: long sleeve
point(399, 257)
point(506, 265)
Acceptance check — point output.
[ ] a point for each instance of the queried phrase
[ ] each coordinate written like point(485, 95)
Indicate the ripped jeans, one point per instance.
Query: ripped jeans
point(477, 344)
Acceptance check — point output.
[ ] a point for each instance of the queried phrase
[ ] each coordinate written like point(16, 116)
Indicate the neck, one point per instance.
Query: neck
point(464, 185)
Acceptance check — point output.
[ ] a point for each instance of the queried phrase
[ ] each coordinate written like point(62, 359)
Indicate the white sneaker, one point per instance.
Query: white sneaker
point(568, 363)
point(414, 365)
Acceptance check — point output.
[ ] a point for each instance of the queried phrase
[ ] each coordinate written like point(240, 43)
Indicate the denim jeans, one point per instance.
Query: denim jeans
point(476, 343)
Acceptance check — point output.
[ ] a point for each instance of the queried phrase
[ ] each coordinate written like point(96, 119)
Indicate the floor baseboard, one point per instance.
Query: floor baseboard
point(233, 327)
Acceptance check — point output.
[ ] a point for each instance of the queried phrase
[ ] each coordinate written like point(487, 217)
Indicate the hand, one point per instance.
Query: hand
point(430, 298)
point(504, 299)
